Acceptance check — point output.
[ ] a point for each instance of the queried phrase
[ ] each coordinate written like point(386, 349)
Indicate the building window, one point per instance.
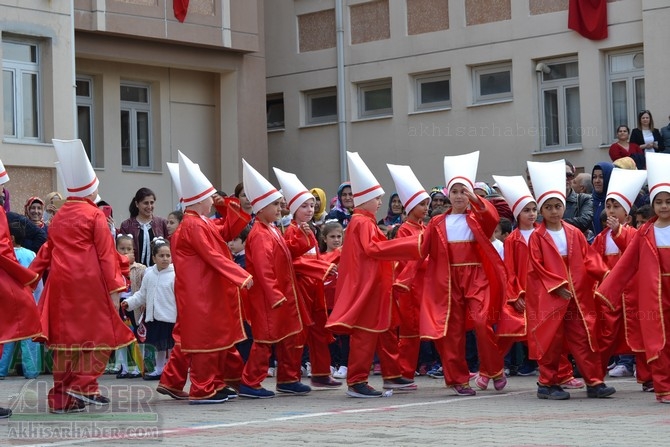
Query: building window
point(560, 111)
point(625, 72)
point(136, 126)
point(432, 91)
point(84, 95)
point(21, 89)
point(321, 106)
point(375, 99)
point(492, 83)
point(274, 107)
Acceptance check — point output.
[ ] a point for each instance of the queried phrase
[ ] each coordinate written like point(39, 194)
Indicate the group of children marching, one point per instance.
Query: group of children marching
point(553, 290)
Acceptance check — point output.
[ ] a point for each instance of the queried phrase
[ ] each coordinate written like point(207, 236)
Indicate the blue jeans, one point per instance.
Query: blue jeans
point(31, 358)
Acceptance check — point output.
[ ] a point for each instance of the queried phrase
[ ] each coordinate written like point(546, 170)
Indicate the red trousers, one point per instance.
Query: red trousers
point(289, 354)
point(408, 348)
point(175, 372)
point(565, 371)
point(660, 370)
point(570, 336)
point(318, 339)
point(362, 349)
point(410, 342)
point(76, 371)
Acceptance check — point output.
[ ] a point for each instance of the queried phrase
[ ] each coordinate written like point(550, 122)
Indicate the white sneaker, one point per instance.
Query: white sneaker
point(333, 370)
point(271, 372)
point(620, 371)
point(341, 373)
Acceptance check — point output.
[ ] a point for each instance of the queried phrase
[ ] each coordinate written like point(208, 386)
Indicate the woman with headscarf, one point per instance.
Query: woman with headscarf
point(345, 205)
point(600, 177)
point(34, 210)
point(320, 206)
point(394, 213)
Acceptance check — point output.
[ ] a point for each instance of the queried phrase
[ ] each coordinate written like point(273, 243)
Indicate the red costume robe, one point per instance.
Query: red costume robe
point(80, 322)
point(19, 318)
point(646, 268)
point(555, 323)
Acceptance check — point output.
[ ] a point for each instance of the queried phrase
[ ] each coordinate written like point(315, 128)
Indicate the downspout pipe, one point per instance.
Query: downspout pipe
point(341, 90)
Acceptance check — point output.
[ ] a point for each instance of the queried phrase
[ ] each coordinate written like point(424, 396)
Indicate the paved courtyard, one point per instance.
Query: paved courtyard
point(432, 415)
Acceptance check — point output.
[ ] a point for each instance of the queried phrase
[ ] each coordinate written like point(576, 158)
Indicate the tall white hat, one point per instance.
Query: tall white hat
point(625, 185)
point(409, 188)
point(195, 187)
point(515, 191)
point(364, 185)
point(258, 189)
point(4, 177)
point(658, 173)
point(173, 168)
point(294, 191)
point(461, 169)
point(548, 179)
point(78, 175)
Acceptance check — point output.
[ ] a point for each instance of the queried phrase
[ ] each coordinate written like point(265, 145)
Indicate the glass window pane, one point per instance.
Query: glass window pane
point(495, 83)
point(639, 97)
point(275, 113)
point(125, 138)
point(9, 103)
point(378, 99)
point(561, 71)
point(83, 88)
point(573, 115)
point(143, 159)
point(434, 91)
point(30, 122)
point(134, 94)
point(619, 104)
point(323, 106)
point(20, 52)
point(551, 137)
point(84, 128)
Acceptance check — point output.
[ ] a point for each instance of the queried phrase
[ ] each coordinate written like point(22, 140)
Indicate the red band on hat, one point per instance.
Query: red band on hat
point(3, 173)
point(415, 196)
point(299, 195)
point(83, 187)
point(362, 193)
point(656, 186)
point(521, 200)
point(472, 185)
point(269, 193)
point(196, 197)
point(562, 194)
point(618, 194)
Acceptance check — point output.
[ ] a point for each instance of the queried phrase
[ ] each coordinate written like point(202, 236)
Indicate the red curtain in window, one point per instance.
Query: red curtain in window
point(180, 8)
point(588, 18)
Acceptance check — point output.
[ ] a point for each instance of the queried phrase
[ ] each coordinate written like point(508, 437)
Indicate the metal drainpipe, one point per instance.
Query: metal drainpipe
point(341, 89)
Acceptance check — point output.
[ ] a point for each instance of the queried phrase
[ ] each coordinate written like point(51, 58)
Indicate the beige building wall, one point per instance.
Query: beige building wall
point(457, 36)
point(206, 79)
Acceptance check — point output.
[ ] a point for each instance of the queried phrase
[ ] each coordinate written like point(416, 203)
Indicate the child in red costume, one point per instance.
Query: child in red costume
point(560, 301)
point(80, 301)
point(646, 263)
point(364, 307)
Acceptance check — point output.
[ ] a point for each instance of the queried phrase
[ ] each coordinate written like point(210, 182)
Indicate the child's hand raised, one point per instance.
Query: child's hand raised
point(613, 223)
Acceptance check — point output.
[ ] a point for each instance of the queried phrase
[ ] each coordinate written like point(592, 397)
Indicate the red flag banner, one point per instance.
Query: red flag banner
point(588, 18)
point(180, 8)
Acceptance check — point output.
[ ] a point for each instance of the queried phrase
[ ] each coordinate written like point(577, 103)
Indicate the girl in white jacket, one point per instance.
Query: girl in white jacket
point(157, 294)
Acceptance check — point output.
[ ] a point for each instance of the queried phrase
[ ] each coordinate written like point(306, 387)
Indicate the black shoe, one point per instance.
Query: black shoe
point(217, 398)
point(5, 413)
point(600, 390)
point(553, 392)
point(152, 377)
point(93, 399)
point(123, 375)
point(229, 391)
point(363, 390)
point(77, 406)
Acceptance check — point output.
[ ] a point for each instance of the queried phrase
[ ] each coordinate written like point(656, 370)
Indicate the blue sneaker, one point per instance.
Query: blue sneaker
point(297, 388)
point(255, 393)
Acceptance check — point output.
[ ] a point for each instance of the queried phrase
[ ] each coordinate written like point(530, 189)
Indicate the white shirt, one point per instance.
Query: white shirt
point(499, 246)
point(458, 229)
point(526, 234)
point(560, 241)
point(662, 236)
point(157, 293)
point(610, 246)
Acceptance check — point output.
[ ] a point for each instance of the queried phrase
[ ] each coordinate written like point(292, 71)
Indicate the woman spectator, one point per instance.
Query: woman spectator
point(53, 201)
point(34, 210)
point(600, 178)
point(646, 135)
point(394, 215)
point(344, 206)
point(244, 201)
point(143, 225)
point(623, 148)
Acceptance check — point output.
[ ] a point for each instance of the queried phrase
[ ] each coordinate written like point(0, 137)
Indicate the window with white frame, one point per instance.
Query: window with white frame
point(84, 95)
point(432, 91)
point(559, 104)
point(492, 83)
point(21, 89)
point(274, 108)
point(136, 126)
point(321, 106)
point(625, 72)
point(375, 99)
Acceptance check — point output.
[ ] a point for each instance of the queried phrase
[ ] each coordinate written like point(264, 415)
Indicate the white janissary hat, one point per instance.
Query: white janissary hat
point(515, 191)
point(548, 179)
point(258, 189)
point(78, 175)
point(364, 185)
point(293, 190)
point(658, 173)
point(195, 187)
point(461, 169)
point(409, 188)
point(173, 168)
point(4, 177)
point(625, 185)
